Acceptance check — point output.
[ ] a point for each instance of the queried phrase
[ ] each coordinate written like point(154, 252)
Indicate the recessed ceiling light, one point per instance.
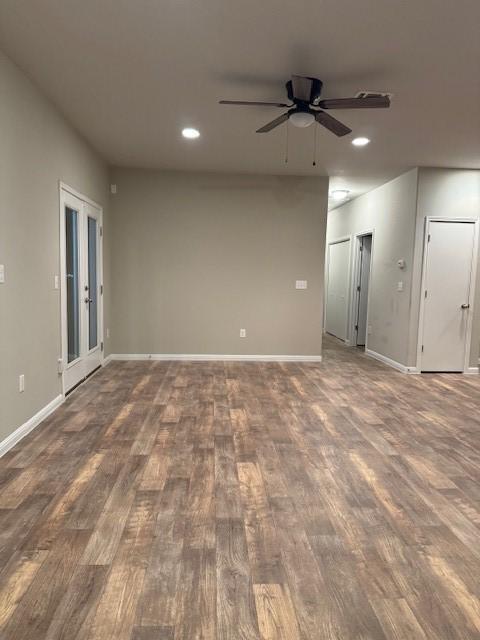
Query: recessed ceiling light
point(360, 142)
point(339, 194)
point(190, 133)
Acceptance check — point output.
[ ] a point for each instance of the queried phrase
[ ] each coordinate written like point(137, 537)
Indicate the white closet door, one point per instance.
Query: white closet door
point(337, 289)
point(447, 291)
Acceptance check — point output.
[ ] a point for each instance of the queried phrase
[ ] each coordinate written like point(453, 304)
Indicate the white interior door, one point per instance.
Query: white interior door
point(336, 315)
point(363, 282)
point(446, 321)
point(81, 270)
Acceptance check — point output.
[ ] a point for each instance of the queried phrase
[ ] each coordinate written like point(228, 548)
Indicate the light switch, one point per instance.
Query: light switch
point(300, 284)
point(2, 273)
point(56, 282)
point(400, 286)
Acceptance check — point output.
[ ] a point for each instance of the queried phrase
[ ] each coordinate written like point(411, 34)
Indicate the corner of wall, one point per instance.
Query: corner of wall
point(414, 302)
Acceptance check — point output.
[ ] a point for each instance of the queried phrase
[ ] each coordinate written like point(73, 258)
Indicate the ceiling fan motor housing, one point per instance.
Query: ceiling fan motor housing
point(315, 91)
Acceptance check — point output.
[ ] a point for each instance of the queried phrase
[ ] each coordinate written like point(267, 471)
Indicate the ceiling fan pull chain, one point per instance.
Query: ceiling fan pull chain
point(286, 144)
point(314, 163)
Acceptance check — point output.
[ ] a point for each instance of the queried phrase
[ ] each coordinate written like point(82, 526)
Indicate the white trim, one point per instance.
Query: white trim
point(471, 298)
point(204, 357)
point(65, 187)
point(391, 363)
point(471, 371)
point(15, 437)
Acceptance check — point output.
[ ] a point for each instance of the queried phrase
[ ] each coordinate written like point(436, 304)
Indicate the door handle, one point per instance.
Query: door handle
point(465, 306)
point(88, 300)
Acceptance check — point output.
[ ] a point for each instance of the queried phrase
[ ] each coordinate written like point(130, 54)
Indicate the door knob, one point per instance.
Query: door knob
point(465, 306)
point(88, 300)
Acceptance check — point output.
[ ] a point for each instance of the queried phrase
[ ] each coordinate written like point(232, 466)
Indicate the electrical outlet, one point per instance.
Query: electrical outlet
point(21, 383)
point(108, 332)
point(243, 333)
point(56, 282)
point(369, 329)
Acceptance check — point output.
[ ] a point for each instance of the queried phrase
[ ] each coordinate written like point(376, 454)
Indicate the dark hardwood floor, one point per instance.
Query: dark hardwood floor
point(188, 501)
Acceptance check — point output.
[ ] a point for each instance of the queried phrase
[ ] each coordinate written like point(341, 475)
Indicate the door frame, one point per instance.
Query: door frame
point(346, 238)
point(354, 294)
point(62, 186)
point(471, 297)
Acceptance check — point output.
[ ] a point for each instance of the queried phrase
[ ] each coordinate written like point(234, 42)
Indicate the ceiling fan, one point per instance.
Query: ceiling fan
point(306, 106)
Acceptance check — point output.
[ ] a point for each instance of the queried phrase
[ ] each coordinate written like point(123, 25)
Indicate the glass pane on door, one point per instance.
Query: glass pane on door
point(92, 284)
point(73, 290)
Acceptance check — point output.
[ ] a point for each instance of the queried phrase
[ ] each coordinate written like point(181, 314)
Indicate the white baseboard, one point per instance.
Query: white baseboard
point(391, 363)
point(11, 440)
point(206, 357)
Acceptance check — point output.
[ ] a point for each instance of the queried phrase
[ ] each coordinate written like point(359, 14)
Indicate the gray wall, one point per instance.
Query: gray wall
point(198, 256)
point(451, 193)
point(390, 212)
point(37, 149)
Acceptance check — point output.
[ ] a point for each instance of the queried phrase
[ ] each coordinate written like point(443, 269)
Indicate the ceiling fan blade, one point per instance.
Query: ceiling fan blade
point(332, 124)
point(274, 123)
point(257, 104)
point(369, 102)
point(302, 88)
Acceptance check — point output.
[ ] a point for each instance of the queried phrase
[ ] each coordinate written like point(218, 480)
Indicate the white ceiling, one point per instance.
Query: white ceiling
point(129, 74)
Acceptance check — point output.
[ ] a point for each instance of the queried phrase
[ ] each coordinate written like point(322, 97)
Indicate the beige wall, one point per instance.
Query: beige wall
point(37, 149)
point(451, 193)
point(390, 212)
point(198, 256)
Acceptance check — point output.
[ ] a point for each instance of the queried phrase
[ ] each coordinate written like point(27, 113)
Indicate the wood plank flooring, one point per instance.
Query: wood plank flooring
point(247, 501)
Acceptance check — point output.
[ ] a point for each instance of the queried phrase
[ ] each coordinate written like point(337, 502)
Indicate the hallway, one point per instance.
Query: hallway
point(222, 500)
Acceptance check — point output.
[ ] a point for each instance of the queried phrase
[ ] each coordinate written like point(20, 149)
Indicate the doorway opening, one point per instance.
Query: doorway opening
point(81, 260)
point(363, 260)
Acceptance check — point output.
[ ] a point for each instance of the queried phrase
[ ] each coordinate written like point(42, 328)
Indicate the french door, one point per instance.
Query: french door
point(81, 280)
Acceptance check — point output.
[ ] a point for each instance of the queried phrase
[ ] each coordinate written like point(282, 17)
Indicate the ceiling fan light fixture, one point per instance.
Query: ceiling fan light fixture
point(190, 133)
point(360, 141)
point(302, 119)
point(339, 194)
